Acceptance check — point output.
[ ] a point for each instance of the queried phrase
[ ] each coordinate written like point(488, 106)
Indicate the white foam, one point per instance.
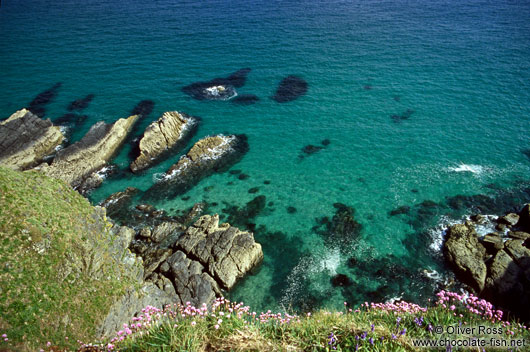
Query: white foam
point(217, 91)
point(438, 232)
point(474, 169)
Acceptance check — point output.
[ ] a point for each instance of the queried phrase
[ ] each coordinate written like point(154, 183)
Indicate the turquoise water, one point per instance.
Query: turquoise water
point(462, 67)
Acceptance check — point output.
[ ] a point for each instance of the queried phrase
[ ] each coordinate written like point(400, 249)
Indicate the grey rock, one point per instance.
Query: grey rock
point(226, 252)
point(519, 235)
point(131, 304)
point(78, 161)
point(493, 242)
point(25, 139)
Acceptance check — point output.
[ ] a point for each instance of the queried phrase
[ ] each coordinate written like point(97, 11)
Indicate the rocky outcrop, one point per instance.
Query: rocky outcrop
point(200, 261)
point(226, 252)
point(466, 255)
point(207, 156)
point(25, 139)
point(497, 264)
point(81, 160)
point(169, 132)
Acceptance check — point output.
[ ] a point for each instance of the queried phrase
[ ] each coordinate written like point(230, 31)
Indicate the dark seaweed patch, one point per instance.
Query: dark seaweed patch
point(243, 176)
point(290, 88)
point(367, 87)
point(242, 216)
point(526, 152)
point(311, 149)
point(404, 209)
point(198, 91)
point(144, 108)
point(38, 104)
point(81, 103)
point(325, 142)
point(291, 209)
point(253, 190)
point(234, 172)
point(404, 116)
point(70, 119)
point(342, 230)
point(245, 99)
point(397, 98)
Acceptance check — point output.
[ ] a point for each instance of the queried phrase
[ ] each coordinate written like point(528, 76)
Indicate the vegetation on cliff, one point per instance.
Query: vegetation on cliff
point(60, 263)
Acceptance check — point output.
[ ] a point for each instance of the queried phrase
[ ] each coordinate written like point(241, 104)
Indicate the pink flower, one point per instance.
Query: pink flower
point(216, 326)
point(193, 323)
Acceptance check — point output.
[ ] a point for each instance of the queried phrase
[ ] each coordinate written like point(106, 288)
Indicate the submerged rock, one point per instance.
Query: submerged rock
point(37, 105)
point(245, 99)
point(404, 116)
point(80, 104)
point(25, 140)
point(80, 160)
point(218, 88)
point(207, 156)
point(143, 108)
point(171, 131)
point(289, 89)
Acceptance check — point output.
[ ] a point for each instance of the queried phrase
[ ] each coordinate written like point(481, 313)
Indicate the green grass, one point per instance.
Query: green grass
point(374, 327)
point(48, 291)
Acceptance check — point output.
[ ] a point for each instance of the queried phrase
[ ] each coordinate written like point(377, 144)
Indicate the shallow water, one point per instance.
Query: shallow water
point(419, 100)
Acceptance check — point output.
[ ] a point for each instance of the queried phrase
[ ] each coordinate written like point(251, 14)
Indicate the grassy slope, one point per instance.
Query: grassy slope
point(47, 288)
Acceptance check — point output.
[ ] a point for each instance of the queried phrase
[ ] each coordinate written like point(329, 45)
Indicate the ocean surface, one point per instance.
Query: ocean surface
point(426, 106)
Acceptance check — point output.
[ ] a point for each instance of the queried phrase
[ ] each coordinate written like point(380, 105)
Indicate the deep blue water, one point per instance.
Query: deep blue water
point(461, 69)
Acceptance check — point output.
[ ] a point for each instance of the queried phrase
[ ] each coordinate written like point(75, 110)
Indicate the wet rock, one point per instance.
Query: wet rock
point(78, 161)
point(81, 104)
point(290, 88)
point(26, 139)
point(226, 252)
point(218, 88)
point(466, 255)
point(207, 156)
point(341, 280)
point(404, 209)
point(169, 133)
point(38, 105)
point(509, 219)
point(245, 99)
point(478, 218)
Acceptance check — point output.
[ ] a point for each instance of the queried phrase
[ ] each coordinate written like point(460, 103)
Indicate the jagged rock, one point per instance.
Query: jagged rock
point(226, 252)
point(520, 235)
point(78, 161)
point(170, 131)
point(504, 277)
point(464, 252)
point(208, 155)
point(152, 259)
point(509, 219)
point(165, 231)
point(192, 284)
point(493, 242)
point(130, 304)
point(518, 252)
point(118, 203)
point(25, 140)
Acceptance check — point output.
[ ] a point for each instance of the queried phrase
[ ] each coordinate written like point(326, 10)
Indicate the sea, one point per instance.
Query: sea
point(416, 115)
